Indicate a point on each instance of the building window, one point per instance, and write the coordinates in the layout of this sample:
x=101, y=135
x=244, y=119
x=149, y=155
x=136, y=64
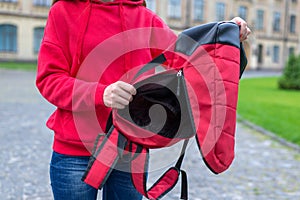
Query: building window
x=8, y=38
x=37, y=38
x=198, y=10
x=276, y=21
x=46, y=3
x=291, y=51
x=259, y=19
x=260, y=54
x=243, y=12
x=9, y=1
x=174, y=10
x=220, y=11
x=276, y=54
x=293, y=24
x=151, y=4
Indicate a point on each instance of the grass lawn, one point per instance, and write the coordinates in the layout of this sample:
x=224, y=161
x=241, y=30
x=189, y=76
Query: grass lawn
x=18, y=65
x=262, y=103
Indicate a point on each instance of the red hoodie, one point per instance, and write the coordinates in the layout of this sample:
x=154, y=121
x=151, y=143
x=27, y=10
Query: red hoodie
x=74, y=30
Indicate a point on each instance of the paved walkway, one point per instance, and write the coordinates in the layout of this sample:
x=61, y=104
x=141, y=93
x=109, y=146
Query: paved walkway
x=262, y=169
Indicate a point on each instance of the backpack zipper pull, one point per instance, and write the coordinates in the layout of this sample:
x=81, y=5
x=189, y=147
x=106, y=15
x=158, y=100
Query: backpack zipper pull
x=179, y=74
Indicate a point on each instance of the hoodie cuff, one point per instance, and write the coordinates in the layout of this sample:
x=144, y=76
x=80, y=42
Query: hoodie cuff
x=99, y=95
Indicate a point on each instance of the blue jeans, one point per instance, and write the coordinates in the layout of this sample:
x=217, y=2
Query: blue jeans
x=66, y=173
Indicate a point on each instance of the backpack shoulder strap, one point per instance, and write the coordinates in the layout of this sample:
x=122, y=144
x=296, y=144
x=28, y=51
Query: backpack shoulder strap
x=139, y=168
x=106, y=153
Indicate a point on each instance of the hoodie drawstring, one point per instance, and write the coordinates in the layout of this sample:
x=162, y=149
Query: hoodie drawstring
x=82, y=30
x=126, y=45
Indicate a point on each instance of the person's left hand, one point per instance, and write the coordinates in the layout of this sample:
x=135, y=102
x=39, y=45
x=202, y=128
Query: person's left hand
x=244, y=29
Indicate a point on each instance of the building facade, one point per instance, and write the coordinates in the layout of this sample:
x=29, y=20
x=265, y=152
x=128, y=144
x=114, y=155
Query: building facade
x=275, y=25
x=22, y=25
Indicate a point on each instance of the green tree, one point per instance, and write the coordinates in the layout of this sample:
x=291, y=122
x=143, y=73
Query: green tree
x=291, y=74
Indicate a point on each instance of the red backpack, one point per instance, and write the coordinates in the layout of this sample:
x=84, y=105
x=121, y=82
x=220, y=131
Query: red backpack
x=197, y=97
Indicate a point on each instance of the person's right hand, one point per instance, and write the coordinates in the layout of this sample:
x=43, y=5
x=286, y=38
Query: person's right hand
x=118, y=95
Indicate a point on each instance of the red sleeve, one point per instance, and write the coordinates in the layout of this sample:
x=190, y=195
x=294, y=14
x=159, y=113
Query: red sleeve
x=54, y=79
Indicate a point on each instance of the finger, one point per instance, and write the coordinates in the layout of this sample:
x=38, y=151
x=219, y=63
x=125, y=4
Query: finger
x=126, y=91
x=123, y=90
x=127, y=87
x=238, y=21
x=116, y=101
x=117, y=106
x=247, y=33
x=121, y=101
x=243, y=30
x=119, y=93
x=243, y=27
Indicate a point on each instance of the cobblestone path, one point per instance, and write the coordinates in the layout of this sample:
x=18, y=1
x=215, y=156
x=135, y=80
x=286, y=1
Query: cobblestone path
x=262, y=169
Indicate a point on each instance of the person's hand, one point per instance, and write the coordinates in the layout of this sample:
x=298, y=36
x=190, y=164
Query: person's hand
x=118, y=95
x=244, y=29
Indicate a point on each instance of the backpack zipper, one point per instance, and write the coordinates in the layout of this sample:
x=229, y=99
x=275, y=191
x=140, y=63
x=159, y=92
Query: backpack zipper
x=179, y=74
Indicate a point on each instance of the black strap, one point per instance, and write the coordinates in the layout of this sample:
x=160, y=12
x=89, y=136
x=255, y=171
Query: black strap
x=97, y=141
x=109, y=123
x=139, y=149
x=180, y=159
x=107, y=135
x=243, y=60
x=184, y=183
x=96, y=151
x=122, y=142
x=184, y=186
x=154, y=63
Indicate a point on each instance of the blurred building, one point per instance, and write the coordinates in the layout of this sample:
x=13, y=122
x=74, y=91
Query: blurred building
x=22, y=25
x=275, y=25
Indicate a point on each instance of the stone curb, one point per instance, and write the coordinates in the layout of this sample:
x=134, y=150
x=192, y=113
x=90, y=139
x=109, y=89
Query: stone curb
x=270, y=134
